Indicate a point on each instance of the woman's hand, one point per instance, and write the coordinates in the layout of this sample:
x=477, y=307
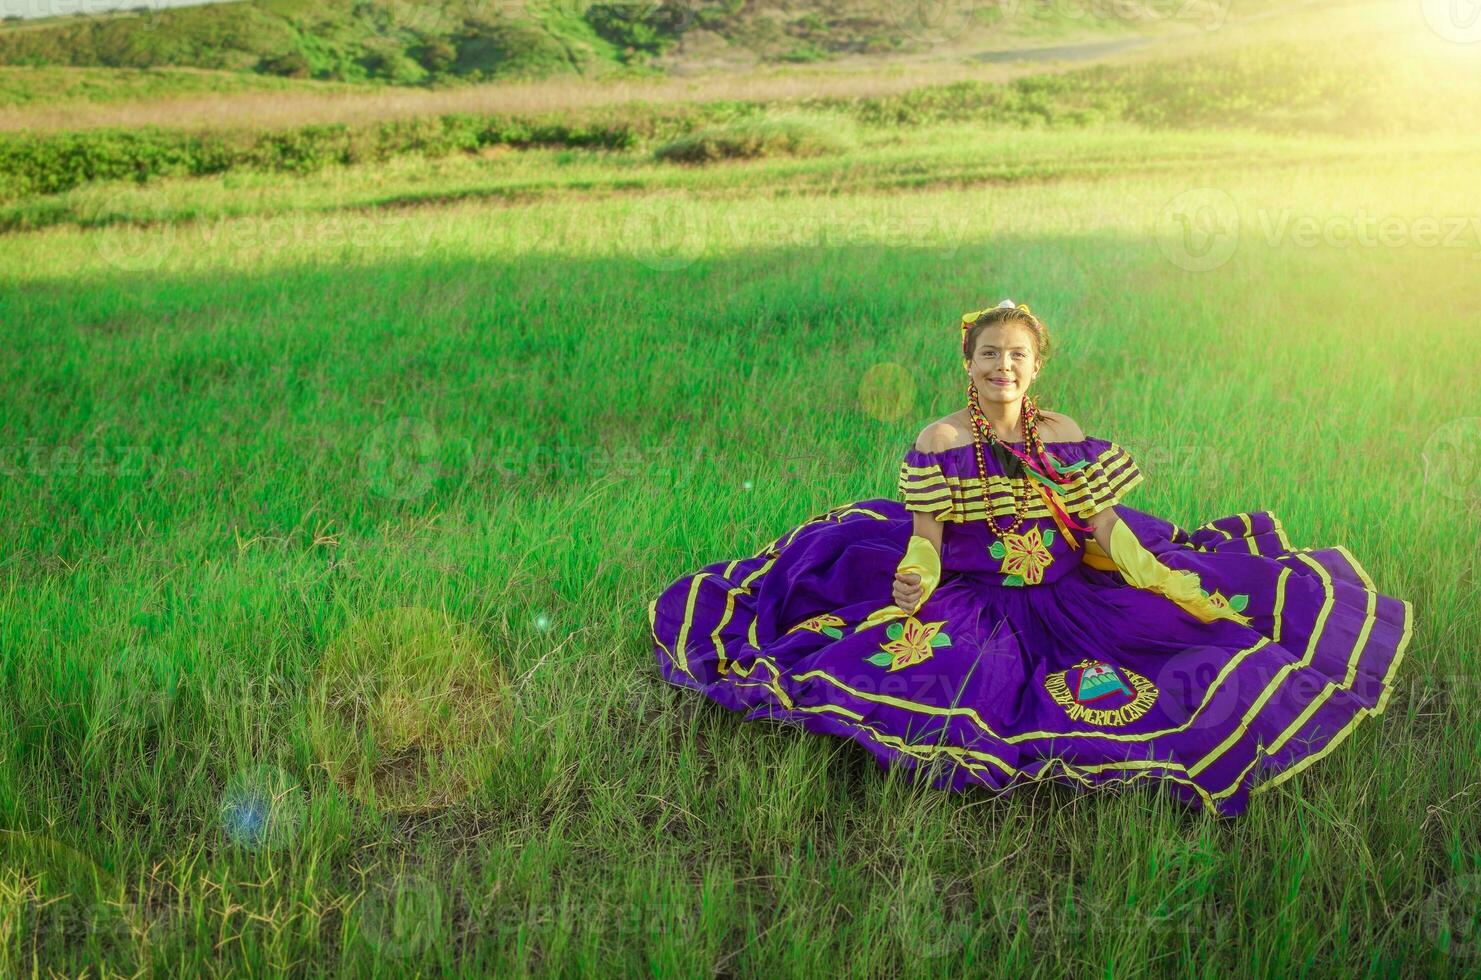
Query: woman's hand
x=907, y=590
x=915, y=580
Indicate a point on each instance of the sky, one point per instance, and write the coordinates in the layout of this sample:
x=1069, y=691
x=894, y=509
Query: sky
x=56, y=8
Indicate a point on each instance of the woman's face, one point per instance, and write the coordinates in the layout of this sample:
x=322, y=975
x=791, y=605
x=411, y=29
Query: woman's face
x=1004, y=362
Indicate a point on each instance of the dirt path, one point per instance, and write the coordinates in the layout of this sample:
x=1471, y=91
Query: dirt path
x=1090, y=51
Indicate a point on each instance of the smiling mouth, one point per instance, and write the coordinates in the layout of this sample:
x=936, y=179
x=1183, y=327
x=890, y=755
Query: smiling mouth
x=996, y=381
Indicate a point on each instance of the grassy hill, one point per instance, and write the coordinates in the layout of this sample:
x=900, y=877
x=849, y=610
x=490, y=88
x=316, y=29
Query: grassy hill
x=402, y=42
x=1268, y=79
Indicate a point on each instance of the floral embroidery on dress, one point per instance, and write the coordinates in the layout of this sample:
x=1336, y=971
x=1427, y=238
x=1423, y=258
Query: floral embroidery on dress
x=827, y=624
x=910, y=643
x=1025, y=556
x=1238, y=602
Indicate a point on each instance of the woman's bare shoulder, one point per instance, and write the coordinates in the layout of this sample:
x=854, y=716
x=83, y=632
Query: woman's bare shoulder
x=1058, y=427
x=947, y=432
x=955, y=430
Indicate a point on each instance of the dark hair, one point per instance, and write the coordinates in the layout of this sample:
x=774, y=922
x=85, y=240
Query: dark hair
x=1005, y=314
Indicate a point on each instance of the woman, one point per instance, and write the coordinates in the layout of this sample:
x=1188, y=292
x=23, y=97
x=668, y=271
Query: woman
x=1035, y=628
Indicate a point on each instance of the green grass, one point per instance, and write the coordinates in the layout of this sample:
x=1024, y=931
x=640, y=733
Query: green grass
x=933, y=157
x=232, y=449
x=337, y=499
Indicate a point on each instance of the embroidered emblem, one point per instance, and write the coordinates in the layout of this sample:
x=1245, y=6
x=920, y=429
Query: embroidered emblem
x=1238, y=602
x=1024, y=556
x=1100, y=693
x=910, y=643
x=827, y=624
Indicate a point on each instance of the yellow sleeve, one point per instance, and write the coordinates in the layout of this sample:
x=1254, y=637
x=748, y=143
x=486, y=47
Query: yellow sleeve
x=922, y=558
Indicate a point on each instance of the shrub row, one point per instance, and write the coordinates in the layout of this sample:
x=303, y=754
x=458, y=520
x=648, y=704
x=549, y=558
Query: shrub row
x=791, y=134
x=1278, y=87
x=1273, y=88
x=51, y=163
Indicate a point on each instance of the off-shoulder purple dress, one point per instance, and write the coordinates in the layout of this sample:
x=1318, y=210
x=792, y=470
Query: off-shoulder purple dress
x=1034, y=662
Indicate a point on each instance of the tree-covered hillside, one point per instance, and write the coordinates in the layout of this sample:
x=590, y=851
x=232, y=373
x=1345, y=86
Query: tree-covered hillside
x=411, y=42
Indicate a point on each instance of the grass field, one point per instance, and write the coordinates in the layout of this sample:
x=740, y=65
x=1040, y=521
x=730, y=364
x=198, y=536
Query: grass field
x=331, y=507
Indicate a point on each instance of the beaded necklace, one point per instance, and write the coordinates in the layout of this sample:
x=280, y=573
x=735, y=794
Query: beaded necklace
x=980, y=427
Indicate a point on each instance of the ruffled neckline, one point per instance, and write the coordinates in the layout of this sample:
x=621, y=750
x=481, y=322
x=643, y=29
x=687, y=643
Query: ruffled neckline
x=968, y=446
x=949, y=484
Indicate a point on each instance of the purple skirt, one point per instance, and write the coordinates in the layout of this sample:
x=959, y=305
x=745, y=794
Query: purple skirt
x=1084, y=679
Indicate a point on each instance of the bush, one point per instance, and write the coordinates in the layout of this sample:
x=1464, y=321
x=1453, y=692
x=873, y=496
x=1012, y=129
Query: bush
x=437, y=56
x=391, y=64
x=290, y=65
x=32, y=164
x=507, y=49
x=805, y=53
x=795, y=134
x=638, y=27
